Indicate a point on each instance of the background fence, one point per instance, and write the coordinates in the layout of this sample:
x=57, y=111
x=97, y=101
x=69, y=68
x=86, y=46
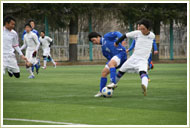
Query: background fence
x=60, y=49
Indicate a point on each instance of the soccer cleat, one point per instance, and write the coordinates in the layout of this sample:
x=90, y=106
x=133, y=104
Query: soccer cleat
x=10, y=73
x=112, y=85
x=44, y=67
x=144, y=89
x=55, y=65
x=38, y=66
x=31, y=77
x=99, y=94
x=152, y=65
x=37, y=69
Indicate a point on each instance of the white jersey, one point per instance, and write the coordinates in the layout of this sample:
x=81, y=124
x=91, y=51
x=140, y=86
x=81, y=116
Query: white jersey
x=45, y=42
x=143, y=44
x=10, y=41
x=31, y=42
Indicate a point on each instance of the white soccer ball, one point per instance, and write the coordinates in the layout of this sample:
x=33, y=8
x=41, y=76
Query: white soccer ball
x=107, y=92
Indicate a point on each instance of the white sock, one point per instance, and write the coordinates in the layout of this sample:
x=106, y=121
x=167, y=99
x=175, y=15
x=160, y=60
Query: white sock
x=53, y=61
x=145, y=81
x=30, y=71
x=117, y=79
x=45, y=62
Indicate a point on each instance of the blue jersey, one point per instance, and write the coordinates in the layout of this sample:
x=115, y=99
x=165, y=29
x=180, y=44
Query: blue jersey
x=133, y=45
x=108, y=48
x=34, y=31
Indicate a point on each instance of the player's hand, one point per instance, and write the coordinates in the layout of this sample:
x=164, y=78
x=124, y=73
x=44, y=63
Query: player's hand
x=155, y=52
x=116, y=45
x=127, y=51
x=34, y=54
x=24, y=58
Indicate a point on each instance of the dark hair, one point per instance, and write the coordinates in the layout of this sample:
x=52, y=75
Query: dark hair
x=146, y=23
x=43, y=32
x=92, y=35
x=27, y=25
x=31, y=20
x=8, y=19
x=138, y=22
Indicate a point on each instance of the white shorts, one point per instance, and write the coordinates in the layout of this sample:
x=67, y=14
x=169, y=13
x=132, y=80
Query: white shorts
x=134, y=65
x=30, y=58
x=10, y=63
x=46, y=52
x=118, y=61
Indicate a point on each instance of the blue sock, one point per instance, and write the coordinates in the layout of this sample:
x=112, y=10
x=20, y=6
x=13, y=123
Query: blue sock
x=36, y=65
x=113, y=75
x=32, y=68
x=103, y=82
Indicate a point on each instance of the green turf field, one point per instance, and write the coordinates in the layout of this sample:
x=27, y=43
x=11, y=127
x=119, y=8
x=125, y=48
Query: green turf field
x=66, y=94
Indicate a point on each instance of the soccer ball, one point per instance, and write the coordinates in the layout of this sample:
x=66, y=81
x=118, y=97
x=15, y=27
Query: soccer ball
x=107, y=92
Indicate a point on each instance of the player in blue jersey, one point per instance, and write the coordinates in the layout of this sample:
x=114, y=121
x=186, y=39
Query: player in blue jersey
x=32, y=23
x=116, y=56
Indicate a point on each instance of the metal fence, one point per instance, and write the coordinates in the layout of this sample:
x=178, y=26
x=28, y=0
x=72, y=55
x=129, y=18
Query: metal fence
x=60, y=49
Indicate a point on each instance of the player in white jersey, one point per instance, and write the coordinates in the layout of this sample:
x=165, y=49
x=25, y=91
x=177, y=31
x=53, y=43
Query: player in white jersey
x=32, y=23
x=46, y=42
x=10, y=44
x=31, y=43
x=138, y=61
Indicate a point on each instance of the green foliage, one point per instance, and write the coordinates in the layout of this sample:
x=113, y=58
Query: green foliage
x=154, y=11
x=59, y=14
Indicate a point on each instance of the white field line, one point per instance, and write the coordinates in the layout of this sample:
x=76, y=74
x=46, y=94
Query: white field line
x=41, y=121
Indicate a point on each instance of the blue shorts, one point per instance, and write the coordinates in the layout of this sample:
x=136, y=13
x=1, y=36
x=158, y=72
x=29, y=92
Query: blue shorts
x=122, y=56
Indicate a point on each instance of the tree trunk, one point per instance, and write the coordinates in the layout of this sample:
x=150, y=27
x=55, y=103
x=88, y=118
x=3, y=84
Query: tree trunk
x=156, y=29
x=73, y=28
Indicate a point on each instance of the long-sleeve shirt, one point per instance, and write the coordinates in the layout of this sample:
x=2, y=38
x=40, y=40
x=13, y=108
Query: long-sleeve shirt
x=10, y=42
x=133, y=45
x=31, y=42
x=33, y=30
x=108, y=48
x=143, y=44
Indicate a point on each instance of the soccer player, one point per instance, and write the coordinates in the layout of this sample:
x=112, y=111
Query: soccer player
x=116, y=56
x=31, y=43
x=46, y=42
x=32, y=23
x=10, y=44
x=138, y=61
x=150, y=63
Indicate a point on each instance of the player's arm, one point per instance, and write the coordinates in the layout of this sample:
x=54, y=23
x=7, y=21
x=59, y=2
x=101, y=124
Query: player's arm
x=127, y=35
x=51, y=41
x=132, y=46
x=155, y=47
x=24, y=45
x=118, y=35
x=37, y=34
x=23, y=34
x=36, y=40
x=120, y=39
x=17, y=48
